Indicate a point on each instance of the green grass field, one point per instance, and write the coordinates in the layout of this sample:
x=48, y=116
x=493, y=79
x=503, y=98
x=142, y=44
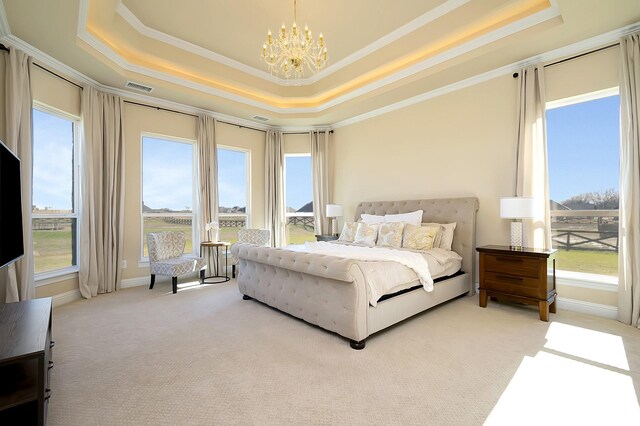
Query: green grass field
x=53, y=248
x=588, y=261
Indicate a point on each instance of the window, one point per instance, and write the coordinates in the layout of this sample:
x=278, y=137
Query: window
x=583, y=141
x=298, y=198
x=233, y=192
x=55, y=193
x=168, y=188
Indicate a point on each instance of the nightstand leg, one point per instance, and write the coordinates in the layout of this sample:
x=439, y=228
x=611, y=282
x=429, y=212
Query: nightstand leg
x=552, y=307
x=483, y=298
x=544, y=311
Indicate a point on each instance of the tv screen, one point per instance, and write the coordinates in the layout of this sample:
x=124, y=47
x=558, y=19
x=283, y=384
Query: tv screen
x=11, y=244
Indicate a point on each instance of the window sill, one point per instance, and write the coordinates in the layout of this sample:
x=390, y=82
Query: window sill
x=56, y=276
x=591, y=281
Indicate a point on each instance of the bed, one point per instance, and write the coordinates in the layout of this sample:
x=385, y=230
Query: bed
x=331, y=292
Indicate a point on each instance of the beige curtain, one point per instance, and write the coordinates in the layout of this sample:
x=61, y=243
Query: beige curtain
x=102, y=192
x=629, y=251
x=532, y=178
x=274, y=187
x=321, y=177
x=18, y=277
x=208, y=178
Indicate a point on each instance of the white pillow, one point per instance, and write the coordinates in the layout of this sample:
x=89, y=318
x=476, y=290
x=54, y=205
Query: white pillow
x=366, y=234
x=444, y=239
x=371, y=218
x=413, y=218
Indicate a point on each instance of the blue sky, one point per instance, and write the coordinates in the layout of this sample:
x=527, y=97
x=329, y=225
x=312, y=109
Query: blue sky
x=167, y=174
x=232, y=178
x=298, y=189
x=583, y=147
x=52, y=162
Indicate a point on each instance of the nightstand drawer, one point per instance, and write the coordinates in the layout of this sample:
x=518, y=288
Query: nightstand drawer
x=512, y=284
x=517, y=265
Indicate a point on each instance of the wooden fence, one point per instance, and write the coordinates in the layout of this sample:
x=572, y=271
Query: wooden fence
x=585, y=229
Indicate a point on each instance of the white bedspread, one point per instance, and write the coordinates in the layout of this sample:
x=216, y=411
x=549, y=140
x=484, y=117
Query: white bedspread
x=379, y=287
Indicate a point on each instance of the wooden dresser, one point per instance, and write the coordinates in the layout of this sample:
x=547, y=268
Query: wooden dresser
x=525, y=276
x=25, y=361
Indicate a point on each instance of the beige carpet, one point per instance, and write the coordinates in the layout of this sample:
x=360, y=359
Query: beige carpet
x=205, y=356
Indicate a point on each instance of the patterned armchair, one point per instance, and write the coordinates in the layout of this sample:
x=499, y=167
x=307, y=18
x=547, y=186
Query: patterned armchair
x=259, y=237
x=166, y=257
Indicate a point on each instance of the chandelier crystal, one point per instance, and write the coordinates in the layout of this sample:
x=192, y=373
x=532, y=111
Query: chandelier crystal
x=292, y=52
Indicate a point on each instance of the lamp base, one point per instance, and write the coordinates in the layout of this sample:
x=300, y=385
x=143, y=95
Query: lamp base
x=516, y=235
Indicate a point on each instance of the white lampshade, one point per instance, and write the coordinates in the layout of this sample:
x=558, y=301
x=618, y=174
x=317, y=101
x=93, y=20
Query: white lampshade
x=516, y=207
x=334, y=210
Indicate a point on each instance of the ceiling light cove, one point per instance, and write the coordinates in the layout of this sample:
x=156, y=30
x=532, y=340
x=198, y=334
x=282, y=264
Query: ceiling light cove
x=447, y=30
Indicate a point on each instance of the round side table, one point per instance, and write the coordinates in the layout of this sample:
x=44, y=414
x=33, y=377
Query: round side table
x=216, y=278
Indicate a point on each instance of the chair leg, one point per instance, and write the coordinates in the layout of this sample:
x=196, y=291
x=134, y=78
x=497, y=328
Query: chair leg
x=174, y=284
x=201, y=276
x=233, y=271
x=153, y=281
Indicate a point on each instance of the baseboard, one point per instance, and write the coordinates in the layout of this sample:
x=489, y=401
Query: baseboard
x=67, y=297
x=135, y=282
x=596, y=309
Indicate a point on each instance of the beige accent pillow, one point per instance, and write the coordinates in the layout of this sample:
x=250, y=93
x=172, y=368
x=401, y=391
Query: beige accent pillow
x=420, y=237
x=445, y=236
x=366, y=234
x=348, y=231
x=390, y=234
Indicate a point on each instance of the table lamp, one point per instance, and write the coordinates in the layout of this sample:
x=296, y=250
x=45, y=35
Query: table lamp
x=516, y=208
x=333, y=211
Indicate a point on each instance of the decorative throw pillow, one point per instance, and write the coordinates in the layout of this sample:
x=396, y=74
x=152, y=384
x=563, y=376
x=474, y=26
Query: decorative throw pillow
x=366, y=234
x=390, y=234
x=419, y=237
x=371, y=218
x=348, y=231
x=414, y=218
x=445, y=236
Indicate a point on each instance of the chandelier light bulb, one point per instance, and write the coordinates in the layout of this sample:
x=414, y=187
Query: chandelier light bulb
x=294, y=52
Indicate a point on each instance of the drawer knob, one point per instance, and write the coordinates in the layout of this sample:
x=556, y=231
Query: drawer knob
x=509, y=259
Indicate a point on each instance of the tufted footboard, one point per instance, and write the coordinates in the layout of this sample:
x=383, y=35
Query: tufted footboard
x=327, y=291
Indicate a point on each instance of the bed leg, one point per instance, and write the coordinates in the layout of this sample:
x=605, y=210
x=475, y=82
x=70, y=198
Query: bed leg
x=357, y=345
x=245, y=297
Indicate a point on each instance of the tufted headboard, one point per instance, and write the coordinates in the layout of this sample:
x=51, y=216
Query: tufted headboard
x=444, y=210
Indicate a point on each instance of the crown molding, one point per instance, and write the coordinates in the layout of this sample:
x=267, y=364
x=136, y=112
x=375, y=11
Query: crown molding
x=426, y=18
x=553, y=55
x=485, y=39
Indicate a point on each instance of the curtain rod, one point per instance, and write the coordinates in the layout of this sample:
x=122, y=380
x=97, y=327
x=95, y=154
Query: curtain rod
x=515, y=74
x=6, y=49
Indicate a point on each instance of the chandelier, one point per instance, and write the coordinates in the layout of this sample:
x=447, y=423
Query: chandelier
x=292, y=52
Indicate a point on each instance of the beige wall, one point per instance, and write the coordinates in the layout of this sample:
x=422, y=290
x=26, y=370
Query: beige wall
x=456, y=145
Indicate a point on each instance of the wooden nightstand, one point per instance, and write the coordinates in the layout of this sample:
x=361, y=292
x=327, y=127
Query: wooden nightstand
x=525, y=276
x=326, y=237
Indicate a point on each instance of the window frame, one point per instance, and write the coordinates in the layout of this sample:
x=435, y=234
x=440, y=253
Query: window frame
x=48, y=277
x=195, y=209
x=575, y=278
x=247, y=215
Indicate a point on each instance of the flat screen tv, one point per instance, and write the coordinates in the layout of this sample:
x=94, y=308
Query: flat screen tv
x=11, y=243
